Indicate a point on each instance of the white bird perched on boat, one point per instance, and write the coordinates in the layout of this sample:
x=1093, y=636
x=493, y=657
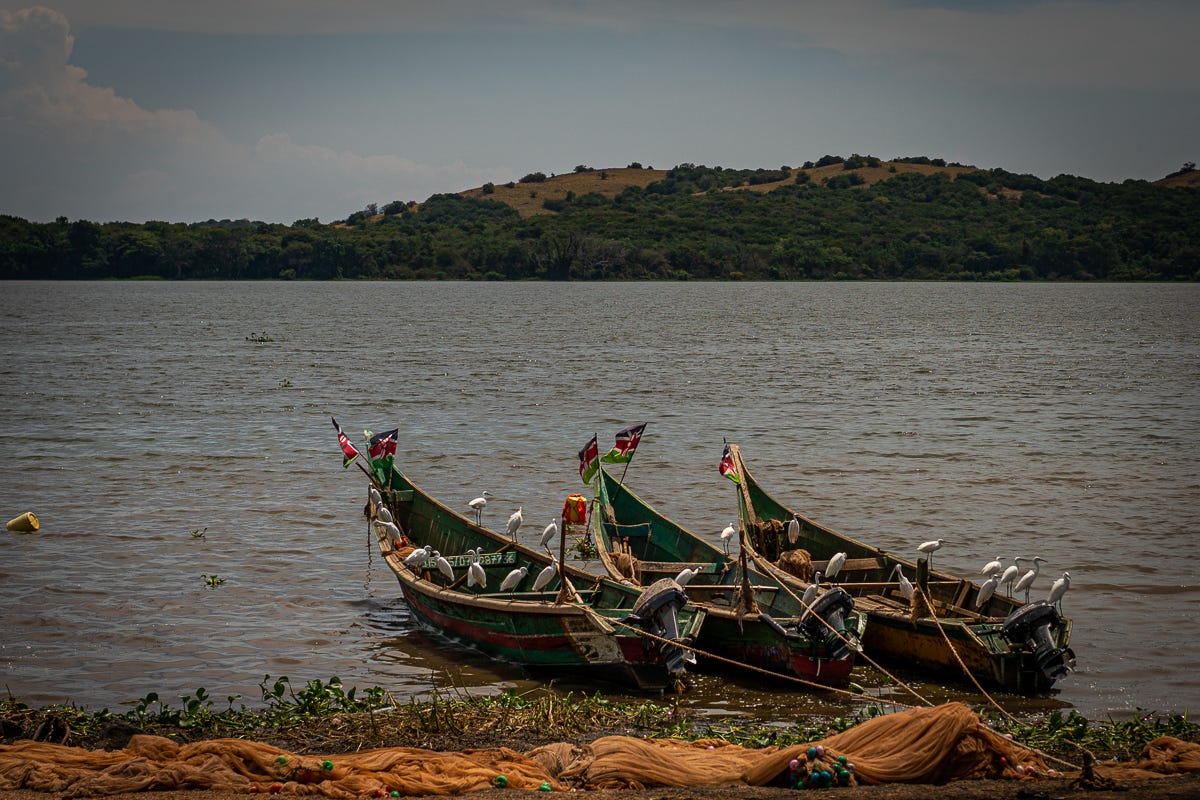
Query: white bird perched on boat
x=985, y=592
x=1009, y=575
x=686, y=574
x=545, y=575
x=835, y=565
x=513, y=578
x=929, y=547
x=382, y=514
x=478, y=504
x=991, y=568
x=388, y=528
x=794, y=529
x=1058, y=589
x=514, y=523
x=549, y=533
x=810, y=593
x=476, y=575
x=374, y=496
x=417, y=556
x=443, y=565
x=1029, y=577
x=726, y=535
x=906, y=587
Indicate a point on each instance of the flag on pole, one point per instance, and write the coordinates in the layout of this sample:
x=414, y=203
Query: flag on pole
x=348, y=451
x=727, y=468
x=589, y=460
x=383, y=444
x=627, y=442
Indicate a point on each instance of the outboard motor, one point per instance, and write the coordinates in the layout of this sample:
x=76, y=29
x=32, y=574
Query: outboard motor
x=1030, y=626
x=656, y=610
x=832, y=607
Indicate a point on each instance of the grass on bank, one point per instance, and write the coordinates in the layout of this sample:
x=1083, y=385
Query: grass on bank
x=325, y=717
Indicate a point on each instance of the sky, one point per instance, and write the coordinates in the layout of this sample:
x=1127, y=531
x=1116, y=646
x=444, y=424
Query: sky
x=280, y=110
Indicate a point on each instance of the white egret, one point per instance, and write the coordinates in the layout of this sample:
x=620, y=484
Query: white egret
x=991, y=568
x=514, y=523
x=388, y=528
x=549, y=533
x=374, y=495
x=1058, y=589
x=835, y=565
x=686, y=574
x=794, y=529
x=1028, y=578
x=906, y=587
x=476, y=575
x=382, y=514
x=810, y=593
x=545, y=575
x=417, y=556
x=985, y=592
x=513, y=578
x=1009, y=575
x=477, y=505
x=929, y=547
x=443, y=565
x=726, y=535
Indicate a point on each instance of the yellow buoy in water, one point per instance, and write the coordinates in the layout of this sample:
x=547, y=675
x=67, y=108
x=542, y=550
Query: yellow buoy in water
x=26, y=523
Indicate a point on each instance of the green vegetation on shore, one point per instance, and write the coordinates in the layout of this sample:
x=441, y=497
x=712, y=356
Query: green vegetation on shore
x=326, y=717
x=835, y=219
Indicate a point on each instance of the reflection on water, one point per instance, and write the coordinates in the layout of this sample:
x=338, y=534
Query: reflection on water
x=1011, y=420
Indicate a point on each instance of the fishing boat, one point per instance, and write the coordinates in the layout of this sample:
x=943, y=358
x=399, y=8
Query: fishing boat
x=1020, y=647
x=531, y=609
x=751, y=617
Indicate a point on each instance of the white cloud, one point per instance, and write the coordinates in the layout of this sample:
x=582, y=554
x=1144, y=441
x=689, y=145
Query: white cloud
x=73, y=149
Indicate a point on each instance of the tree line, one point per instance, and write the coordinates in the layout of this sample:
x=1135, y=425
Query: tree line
x=981, y=225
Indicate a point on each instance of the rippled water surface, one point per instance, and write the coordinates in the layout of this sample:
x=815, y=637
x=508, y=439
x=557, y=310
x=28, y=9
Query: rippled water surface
x=1056, y=420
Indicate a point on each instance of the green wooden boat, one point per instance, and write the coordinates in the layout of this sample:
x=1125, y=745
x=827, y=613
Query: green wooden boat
x=751, y=618
x=1023, y=648
x=574, y=622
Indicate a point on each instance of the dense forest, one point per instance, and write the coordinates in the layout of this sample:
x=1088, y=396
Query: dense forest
x=691, y=224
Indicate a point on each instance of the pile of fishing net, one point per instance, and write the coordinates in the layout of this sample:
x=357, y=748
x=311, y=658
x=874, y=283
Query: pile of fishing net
x=934, y=745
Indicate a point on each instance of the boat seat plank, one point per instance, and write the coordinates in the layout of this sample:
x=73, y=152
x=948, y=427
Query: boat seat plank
x=853, y=564
x=676, y=566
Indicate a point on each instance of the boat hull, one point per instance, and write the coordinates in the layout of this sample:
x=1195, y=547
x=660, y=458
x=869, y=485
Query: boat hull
x=575, y=622
x=954, y=641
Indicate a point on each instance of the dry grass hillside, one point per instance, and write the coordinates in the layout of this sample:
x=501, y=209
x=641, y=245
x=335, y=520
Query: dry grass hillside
x=1188, y=178
x=528, y=198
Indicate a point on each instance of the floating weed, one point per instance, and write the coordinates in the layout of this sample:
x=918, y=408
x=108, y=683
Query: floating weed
x=213, y=581
x=259, y=338
x=198, y=533
x=285, y=384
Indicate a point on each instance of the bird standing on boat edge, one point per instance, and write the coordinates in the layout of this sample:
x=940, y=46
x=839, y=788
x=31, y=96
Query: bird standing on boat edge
x=906, y=587
x=1058, y=589
x=514, y=523
x=929, y=547
x=549, y=533
x=513, y=578
x=1029, y=577
x=726, y=535
x=477, y=505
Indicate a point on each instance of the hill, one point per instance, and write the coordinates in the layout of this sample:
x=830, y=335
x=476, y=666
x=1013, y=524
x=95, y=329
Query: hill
x=544, y=194
x=854, y=218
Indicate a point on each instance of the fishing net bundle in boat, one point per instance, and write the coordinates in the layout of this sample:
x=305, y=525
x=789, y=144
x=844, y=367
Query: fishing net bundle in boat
x=933, y=745
x=796, y=562
x=627, y=565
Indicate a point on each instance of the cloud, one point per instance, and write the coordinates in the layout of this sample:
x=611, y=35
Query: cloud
x=1141, y=44
x=74, y=149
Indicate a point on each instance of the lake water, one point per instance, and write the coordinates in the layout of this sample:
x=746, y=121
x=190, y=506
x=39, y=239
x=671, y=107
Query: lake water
x=1058, y=420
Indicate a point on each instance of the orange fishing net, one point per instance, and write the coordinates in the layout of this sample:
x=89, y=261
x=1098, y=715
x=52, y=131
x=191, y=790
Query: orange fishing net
x=932, y=745
x=796, y=562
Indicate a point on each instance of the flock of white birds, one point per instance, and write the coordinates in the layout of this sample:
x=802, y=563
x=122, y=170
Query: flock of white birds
x=1012, y=579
